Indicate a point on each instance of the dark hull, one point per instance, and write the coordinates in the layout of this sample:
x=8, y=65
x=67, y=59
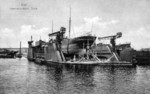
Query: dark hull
x=7, y=54
x=76, y=45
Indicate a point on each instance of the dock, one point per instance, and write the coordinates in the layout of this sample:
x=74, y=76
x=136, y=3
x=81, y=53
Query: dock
x=77, y=51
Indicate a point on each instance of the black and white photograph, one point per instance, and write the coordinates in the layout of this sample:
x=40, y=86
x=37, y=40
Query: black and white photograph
x=74, y=46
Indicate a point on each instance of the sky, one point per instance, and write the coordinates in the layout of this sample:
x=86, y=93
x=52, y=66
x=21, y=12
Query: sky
x=100, y=17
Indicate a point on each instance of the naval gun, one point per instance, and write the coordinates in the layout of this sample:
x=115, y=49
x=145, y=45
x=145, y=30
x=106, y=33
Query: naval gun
x=112, y=40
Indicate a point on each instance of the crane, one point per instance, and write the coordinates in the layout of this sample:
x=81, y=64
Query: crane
x=112, y=39
x=59, y=36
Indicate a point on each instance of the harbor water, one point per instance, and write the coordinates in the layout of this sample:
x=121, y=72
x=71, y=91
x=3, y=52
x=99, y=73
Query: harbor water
x=19, y=76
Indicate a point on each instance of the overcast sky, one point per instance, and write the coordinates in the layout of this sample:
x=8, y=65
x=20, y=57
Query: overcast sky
x=102, y=17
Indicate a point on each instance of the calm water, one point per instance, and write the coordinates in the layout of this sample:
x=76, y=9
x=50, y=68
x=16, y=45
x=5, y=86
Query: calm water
x=19, y=76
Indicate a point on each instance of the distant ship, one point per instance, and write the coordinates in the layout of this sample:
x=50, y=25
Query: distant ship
x=5, y=53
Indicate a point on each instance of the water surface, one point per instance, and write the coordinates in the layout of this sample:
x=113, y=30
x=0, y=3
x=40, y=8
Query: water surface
x=19, y=76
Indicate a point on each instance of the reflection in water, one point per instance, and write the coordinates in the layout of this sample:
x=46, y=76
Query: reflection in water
x=115, y=79
x=143, y=79
x=70, y=79
x=24, y=77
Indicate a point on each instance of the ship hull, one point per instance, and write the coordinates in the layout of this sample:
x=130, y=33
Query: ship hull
x=77, y=45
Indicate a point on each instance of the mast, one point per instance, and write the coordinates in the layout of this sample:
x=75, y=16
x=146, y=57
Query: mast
x=92, y=27
x=20, y=48
x=69, y=31
x=52, y=26
x=70, y=23
x=31, y=38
